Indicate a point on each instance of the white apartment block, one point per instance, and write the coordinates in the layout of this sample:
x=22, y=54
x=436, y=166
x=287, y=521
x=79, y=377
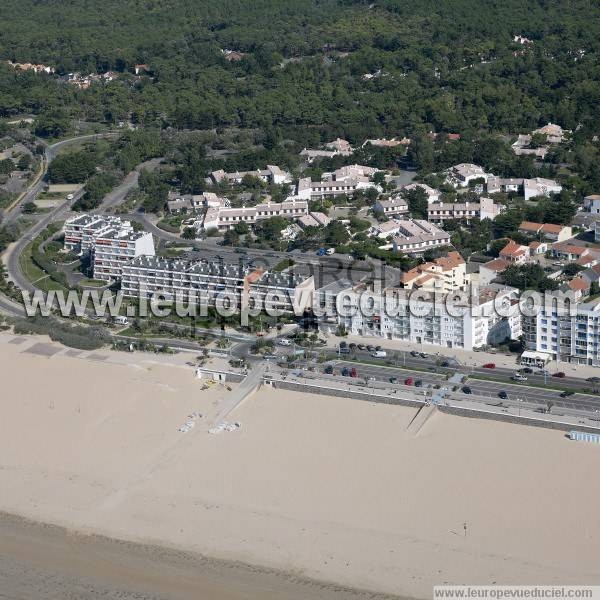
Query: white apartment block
x=114, y=249
x=81, y=232
x=177, y=203
x=391, y=207
x=568, y=338
x=226, y=218
x=345, y=180
x=461, y=175
x=272, y=174
x=530, y=188
x=415, y=236
x=463, y=211
x=201, y=282
x=427, y=320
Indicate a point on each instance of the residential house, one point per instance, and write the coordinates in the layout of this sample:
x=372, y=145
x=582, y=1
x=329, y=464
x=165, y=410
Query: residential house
x=547, y=231
x=415, y=236
x=515, y=253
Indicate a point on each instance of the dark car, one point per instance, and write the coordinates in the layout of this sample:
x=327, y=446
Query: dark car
x=408, y=381
x=467, y=390
x=445, y=363
x=414, y=353
x=345, y=372
x=343, y=344
x=423, y=354
x=377, y=347
x=361, y=346
x=502, y=394
x=527, y=370
x=559, y=374
x=593, y=379
x=353, y=346
x=393, y=380
x=566, y=394
x=353, y=372
x=370, y=348
x=329, y=369
x=489, y=366
x=418, y=383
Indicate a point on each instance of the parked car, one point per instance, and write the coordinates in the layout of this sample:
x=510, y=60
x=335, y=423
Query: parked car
x=502, y=394
x=519, y=377
x=466, y=390
x=489, y=366
x=378, y=348
x=345, y=371
x=409, y=381
x=444, y=363
x=418, y=383
x=527, y=370
x=361, y=346
x=423, y=354
x=393, y=380
x=343, y=344
x=353, y=346
x=285, y=342
x=593, y=379
x=353, y=372
x=344, y=350
x=566, y=394
x=379, y=354
x=414, y=353
x=329, y=369
x=370, y=348
x=559, y=374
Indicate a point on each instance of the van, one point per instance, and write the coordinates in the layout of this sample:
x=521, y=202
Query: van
x=379, y=354
x=121, y=320
x=330, y=251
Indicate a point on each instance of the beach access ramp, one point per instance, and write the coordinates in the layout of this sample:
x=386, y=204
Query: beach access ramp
x=421, y=417
x=246, y=388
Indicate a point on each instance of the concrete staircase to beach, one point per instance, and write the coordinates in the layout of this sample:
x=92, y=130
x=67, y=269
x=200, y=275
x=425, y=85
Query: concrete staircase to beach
x=244, y=390
x=421, y=417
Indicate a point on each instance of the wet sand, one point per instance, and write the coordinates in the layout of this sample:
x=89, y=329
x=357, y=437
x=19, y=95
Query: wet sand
x=52, y=563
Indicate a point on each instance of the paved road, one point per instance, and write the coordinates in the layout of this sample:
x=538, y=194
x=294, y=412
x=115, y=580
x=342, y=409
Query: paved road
x=534, y=396
x=49, y=154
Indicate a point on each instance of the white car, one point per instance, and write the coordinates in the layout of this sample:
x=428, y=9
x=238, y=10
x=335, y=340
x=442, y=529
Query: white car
x=379, y=354
x=285, y=342
x=519, y=377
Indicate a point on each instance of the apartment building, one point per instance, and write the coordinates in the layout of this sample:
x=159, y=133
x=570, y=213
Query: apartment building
x=415, y=236
x=335, y=148
x=82, y=232
x=491, y=271
x=445, y=274
x=226, y=218
x=115, y=248
x=391, y=207
x=463, y=174
x=566, y=337
x=427, y=320
x=529, y=188
x=203, y=282
x=386, y=229
x=272, y=174
x=463, y=211
x=345, y=180
x=177, y=203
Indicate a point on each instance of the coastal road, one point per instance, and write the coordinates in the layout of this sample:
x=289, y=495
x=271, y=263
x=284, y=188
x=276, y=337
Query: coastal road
x=538, y=396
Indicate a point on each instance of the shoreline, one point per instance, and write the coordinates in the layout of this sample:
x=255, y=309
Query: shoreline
x=125, y=565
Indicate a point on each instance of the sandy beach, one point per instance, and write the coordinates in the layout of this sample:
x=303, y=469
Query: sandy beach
x=330, y=489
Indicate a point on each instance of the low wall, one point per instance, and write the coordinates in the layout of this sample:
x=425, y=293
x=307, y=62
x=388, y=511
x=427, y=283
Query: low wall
x=327, y=391
x=519, y=420
x=233, y=377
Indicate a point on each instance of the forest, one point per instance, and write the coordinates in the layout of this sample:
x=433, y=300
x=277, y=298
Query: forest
x=308, y=70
